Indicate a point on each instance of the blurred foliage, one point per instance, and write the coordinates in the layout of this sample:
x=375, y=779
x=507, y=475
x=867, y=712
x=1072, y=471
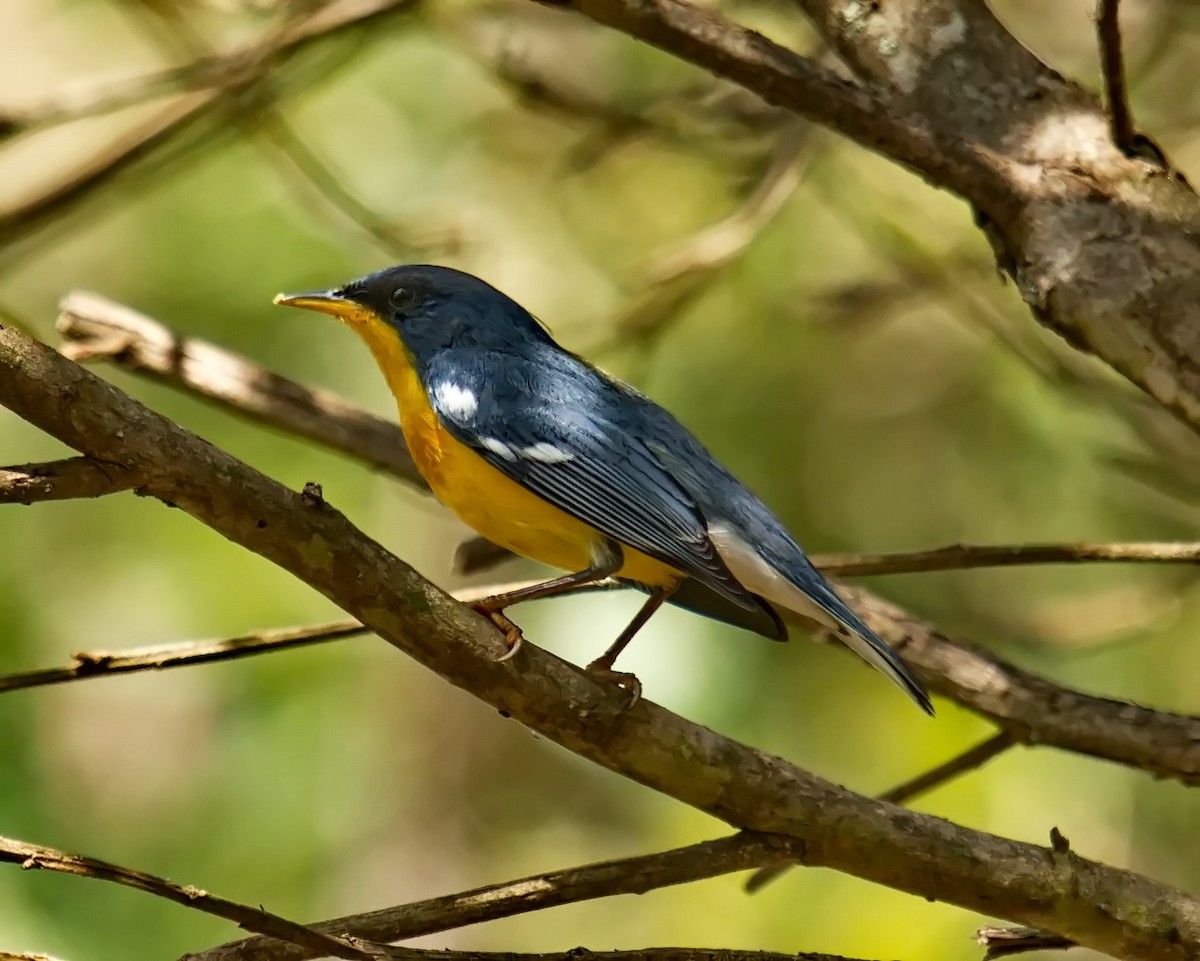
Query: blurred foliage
x=858, y=364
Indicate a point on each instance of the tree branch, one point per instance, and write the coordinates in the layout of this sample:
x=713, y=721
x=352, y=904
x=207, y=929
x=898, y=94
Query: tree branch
x=1112, y=63
x=1103, y=248
x=148, y=142
x=160, y=657
x=968, y=760
x=1008, y=942
x=59, y=480
x=34, y=857
x=637, y=875
x=1105, y=908
x=961, y=557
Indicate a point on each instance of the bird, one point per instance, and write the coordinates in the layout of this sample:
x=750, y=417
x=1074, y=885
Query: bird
x=548, y=456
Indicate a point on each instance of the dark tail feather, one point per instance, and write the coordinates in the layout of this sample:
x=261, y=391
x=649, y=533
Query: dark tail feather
x=693, y=596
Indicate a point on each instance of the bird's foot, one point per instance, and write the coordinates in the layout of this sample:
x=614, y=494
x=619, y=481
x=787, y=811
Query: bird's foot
x=512, y=634
x=601, y=668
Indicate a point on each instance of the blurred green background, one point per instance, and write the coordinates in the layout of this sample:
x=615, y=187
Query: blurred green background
x=855, y=360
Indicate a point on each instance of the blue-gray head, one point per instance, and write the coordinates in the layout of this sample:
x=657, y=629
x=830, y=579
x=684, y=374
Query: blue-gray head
x=429, y=308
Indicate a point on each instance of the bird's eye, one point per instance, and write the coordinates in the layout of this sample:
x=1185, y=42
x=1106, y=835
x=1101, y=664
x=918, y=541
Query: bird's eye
x=402, y=298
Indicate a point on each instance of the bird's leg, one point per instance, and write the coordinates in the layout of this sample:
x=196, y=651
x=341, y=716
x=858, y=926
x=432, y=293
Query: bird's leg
x=607, y=559
x=602, y=666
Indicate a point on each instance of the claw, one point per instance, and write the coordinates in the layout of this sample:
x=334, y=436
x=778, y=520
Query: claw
x=622, y=679
x=512, y=634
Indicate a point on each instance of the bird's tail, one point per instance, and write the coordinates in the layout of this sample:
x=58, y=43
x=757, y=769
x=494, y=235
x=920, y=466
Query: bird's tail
x=867, y=645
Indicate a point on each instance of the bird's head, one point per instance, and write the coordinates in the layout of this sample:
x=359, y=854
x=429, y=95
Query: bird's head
x=427, y=308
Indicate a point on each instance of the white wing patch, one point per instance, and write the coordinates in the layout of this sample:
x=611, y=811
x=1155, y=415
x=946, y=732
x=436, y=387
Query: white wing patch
x=458, y=403
x=546, y=453
x=499, y=448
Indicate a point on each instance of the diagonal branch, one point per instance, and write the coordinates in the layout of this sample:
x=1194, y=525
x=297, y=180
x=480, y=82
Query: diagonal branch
x=150, y=144
x=35, y=857
x=95, y=327
x=970, y=759
x=637, y=875
x=1104, y=252
x=1114, y=911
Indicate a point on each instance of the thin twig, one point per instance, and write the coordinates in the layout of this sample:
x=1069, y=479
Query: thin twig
x=1112, y=60
x=36, y=857
x=968, y=760
x=1006, y=942
x=202, y=73
x=959, y=557
x=161, y=657
x=637, y=875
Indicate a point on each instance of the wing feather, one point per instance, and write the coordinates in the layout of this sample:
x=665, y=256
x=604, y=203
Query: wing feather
x=557, y=429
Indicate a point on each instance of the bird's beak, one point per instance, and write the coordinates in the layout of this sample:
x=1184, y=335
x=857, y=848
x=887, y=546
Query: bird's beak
x=325, y=301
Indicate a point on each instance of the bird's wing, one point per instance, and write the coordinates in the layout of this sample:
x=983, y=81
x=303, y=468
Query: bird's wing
x=560, y=430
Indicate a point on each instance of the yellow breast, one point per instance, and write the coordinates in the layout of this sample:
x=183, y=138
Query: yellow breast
x=485, y=499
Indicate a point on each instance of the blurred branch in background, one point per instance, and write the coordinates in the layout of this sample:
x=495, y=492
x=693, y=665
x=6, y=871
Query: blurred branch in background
x=232, y=85
x=1056, y=890
x=675, y=278
x=269, y=130
x=96, y=328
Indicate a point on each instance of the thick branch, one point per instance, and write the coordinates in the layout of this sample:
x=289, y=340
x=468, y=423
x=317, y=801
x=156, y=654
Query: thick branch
x=1113, y=911
x=968, y=760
